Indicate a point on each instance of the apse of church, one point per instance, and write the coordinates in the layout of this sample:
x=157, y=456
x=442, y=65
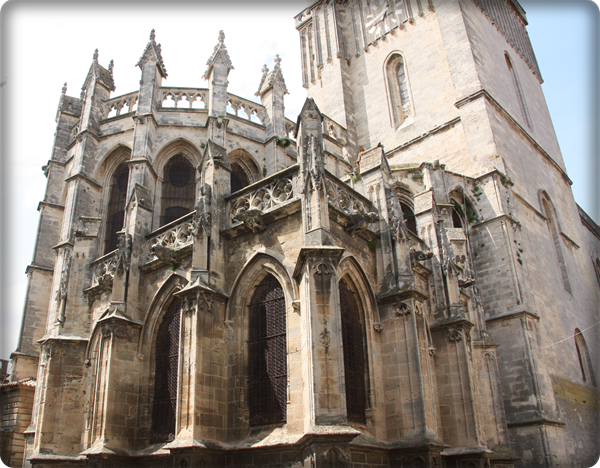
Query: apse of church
x=386, y=281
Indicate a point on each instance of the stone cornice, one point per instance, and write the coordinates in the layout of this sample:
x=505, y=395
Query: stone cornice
x=85, y=178
x=50, y=205
x=513, y=314
x=39, y=268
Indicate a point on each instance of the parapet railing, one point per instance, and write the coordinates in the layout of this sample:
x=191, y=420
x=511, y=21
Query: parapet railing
x=264, y=196
x=173, y=236
x=344, y=198
x=114, y=106
x=184, y=98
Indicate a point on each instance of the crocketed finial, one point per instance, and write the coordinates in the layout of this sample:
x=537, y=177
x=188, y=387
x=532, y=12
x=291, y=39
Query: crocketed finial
x=277, y=60
x=95, y=57
x=111, y=65
x=152, y=35
x=64, y=88
x=221, y=36
x=265, y=69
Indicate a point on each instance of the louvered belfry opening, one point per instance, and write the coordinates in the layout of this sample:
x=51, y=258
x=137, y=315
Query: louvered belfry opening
x=165, y=376
x=115, y=213
x=354, y=355
x=267, y=354
x=178, y=189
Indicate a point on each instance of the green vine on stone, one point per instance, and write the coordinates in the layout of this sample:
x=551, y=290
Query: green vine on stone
x=284, y=142
x=372, y=244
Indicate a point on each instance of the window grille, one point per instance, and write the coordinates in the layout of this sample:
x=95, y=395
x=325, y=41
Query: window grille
x=354, y=355
x=239, y=178
x=115, y=213
x=166, y=375
x=178, y=190
x=267, y=354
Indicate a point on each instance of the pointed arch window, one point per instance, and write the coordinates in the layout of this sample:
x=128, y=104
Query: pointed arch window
x=166, y=375
x=239, y=177
x=267, y=354
x=555, y=239
x=518, y=90
x=409, y=217
x=398, y=90
x=585, y=363
x=354, y=354
x=178, y=190
x=115, y=216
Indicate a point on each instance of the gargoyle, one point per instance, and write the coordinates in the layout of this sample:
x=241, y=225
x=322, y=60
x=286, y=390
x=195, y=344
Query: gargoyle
x=419, y=256
x=165, y=253
x=360, y=221
x=465, y=283
x=250, y=218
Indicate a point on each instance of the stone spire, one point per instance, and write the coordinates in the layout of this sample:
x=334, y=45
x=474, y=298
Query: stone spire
x=153, y=52
x=219, y=55
x=269, y=80
x=98, y=73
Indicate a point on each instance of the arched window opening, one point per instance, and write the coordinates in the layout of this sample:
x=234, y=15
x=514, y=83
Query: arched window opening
x=409, y=217
x=518, y=90
x=178, y=189
x=115, y=215
x=164, y=408
x=555, y=239
x=267, y=354
x=354, y=354
x=239, y=178
x=585, y=363
x=398, y=88
x=456, y=221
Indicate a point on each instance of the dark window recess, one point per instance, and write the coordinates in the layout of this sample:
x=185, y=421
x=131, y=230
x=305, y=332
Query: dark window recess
x=165, y=376
x=267, y=354
x=173, y=213
x=456, y=221
x=239, y=178
x=115, y=213
x=178, y=190
x=409, y=218
x=354, y=355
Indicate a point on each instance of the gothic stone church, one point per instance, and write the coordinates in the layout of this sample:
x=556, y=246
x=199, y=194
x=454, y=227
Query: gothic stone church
x=399, y=278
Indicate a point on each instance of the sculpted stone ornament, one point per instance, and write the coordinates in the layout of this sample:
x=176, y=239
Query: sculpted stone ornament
x=465, y=283
x=165, y=254
x=402, y=310
x=455, y=336
x=123, y=256
x=360, y=221
x=61, y=294
x=250, y=219
x=202, y=221
x=419, y=256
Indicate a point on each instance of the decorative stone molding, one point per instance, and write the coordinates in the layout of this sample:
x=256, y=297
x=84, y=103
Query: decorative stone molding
x=202, y=220
x=103, y=272
x=205, y=302
x=165, y=244
x=402, y=310
x=344, y=200
x=123, y=255
x=378, y=327
x=454, y=336
x=322, y=268
x=296, y=306
x=265, y=198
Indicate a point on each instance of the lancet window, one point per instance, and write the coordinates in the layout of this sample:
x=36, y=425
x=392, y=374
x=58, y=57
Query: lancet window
x=354, y=354
x=409, y=217
x=518, y=90
x=115, y=216
x=239, y=178
x=166, y=351
x=178, y=189
x=555, y=239
x=398, y=90
x=267, y=354
x=585, y=363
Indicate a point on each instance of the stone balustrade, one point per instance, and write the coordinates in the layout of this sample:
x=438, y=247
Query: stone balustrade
x=117, y=104
x=184, y=98
x=173, y=236
x=103, y=272
x=250, y=108
x=266, y=195
x=345, y=199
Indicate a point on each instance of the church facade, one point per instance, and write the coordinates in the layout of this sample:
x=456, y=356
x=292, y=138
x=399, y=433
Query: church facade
x=399, y=278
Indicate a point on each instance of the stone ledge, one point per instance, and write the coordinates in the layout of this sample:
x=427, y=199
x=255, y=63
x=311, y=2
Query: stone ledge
x=513, y=314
